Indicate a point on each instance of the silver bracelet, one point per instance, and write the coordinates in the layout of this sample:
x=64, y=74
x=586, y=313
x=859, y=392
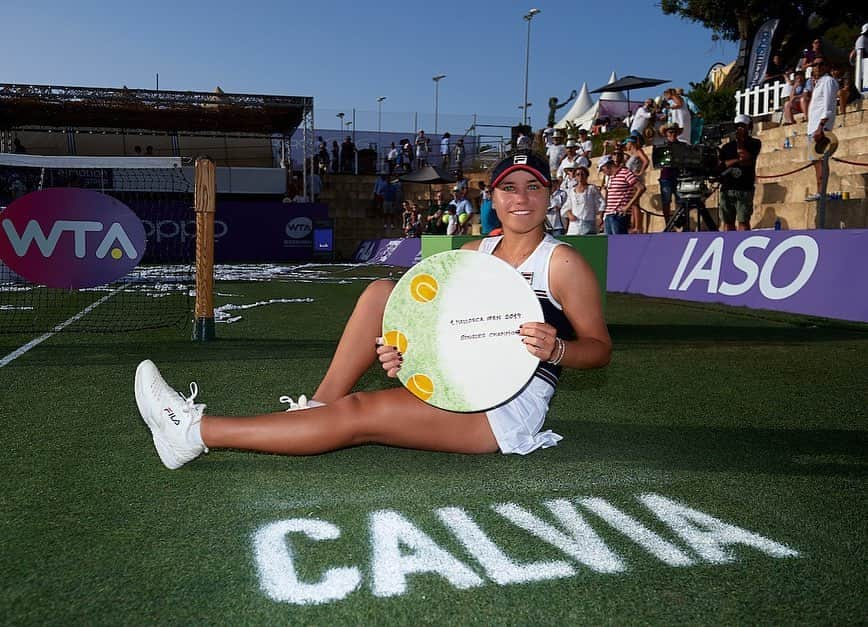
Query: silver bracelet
x=560, y=350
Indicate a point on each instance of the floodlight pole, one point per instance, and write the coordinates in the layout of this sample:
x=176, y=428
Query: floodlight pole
x=379, y=127
x=527, y=18
x=437, y=80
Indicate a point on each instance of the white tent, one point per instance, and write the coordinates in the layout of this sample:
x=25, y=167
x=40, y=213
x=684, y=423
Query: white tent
x=580, y=106
x=586, y=120
x=612, y=95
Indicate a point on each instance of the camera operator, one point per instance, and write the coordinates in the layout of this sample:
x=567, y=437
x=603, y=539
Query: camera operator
x=738, y=177
x=669, y=174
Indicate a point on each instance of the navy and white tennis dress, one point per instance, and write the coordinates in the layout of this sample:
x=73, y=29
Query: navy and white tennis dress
x=517, y=423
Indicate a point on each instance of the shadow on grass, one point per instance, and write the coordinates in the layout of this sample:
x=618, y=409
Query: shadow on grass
x=131, y=352
x=809, y=452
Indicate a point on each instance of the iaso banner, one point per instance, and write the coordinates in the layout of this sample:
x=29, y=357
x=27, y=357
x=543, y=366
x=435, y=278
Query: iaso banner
x=70, y=238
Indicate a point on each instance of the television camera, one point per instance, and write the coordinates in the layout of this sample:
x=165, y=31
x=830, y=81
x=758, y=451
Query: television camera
x=698, y=169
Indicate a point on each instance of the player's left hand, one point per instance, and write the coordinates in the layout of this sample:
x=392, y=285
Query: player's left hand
x=539, y=338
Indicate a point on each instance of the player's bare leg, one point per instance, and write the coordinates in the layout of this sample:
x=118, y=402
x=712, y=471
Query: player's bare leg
x=356, y=350
x=392, y=417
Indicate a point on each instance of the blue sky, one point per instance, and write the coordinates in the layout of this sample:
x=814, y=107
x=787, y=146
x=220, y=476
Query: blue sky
x=347, y=53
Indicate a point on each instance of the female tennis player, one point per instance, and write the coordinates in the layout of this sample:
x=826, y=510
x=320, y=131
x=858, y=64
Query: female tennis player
x=572, y=334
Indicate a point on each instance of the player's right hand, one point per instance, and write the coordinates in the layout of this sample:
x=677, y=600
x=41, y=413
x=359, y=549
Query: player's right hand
x=390, y=358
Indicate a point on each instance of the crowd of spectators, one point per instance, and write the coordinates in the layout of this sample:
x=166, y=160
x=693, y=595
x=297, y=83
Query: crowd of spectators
x=800, y=79
x=404, y=157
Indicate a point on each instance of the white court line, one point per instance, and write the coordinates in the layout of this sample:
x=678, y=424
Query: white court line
x=60, y=327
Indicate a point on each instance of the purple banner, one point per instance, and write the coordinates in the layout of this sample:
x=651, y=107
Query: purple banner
x=389, y=252
x=818, y=273
x=269, y=231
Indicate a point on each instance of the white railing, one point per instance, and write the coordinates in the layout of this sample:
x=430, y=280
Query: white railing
x=766, y=99
x=760, y=100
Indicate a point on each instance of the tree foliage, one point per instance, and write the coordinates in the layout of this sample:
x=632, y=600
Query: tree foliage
x=800, y=21
x=717, y=106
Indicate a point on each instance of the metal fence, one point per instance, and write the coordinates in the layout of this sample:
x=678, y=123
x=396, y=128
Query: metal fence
x=485, y=138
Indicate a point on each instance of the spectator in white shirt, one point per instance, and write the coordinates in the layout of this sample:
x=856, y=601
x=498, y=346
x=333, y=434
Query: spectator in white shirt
x=821, y=114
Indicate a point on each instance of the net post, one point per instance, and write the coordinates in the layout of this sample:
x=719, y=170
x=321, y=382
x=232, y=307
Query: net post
x=205, y=201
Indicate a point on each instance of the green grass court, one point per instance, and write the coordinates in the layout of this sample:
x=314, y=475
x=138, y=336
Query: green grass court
x=753, y=418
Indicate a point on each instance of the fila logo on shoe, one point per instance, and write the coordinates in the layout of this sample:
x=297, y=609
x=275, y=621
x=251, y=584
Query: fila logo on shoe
x=171, y=415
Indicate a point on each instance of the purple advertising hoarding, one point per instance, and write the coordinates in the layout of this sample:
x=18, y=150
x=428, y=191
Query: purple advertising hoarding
x=819, y=273
x=389, y=252
x=70, y=238
x=267, y=231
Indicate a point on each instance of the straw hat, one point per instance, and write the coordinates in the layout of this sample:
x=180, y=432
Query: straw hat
x=826, y=146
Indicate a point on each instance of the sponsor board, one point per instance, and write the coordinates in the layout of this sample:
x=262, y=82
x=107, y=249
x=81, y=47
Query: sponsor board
x=574, y=528
x=256, y=231
x=391, y=252
x=805, y=272
x=70, y=238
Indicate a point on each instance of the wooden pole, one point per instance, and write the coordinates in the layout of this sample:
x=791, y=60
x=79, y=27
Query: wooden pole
x=205, y=201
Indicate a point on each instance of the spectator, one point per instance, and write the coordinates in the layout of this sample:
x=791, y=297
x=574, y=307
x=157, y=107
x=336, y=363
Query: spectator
x=557, y=151
x=738, y=160
x=638, y=163
x=585, y=148
x=444, y=151
x=392, y=159
x=618, y=155
x=407, y=218
x=488, y=216
x=522, y=142
x=678, y=113
x=668, y=174
x=459, y=154
x=380, y=186
x=569, y=159
x=18, y=147
x=622, y=190
x=642, y=118
x=336, y=151
x=452, y=225
x=461, y=181
x=421, y=149
x=348, y=155
x=846, y=92
x=462, y=206
x=407, y=155
x=149, y=151
x=809, y=55
x=437, y=203
x=859, y=58
x=583, y=205
x=695, y=116
x=793, y=105
x=322, y=152
x=821, y=115
x=418, y=223
x=554, y=221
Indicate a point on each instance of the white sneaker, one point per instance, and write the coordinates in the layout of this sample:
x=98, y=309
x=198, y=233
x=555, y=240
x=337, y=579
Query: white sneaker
x=171, y=417
x=812, y=197
x=303, y=403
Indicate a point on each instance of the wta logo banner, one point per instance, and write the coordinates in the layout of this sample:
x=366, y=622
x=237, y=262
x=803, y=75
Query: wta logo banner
x=70, y=238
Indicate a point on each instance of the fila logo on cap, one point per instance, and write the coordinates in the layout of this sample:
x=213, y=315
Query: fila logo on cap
x=519, y=159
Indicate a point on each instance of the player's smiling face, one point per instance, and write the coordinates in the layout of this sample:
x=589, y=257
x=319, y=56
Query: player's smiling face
x=521, y=200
